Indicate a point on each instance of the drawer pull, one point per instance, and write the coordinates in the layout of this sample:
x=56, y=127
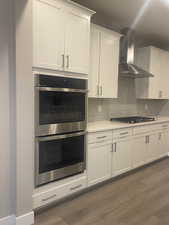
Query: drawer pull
x=76, y=187
x=101, y=137
x=47, y=199
x=124, y=133
x=99, y=142
x=122, y=137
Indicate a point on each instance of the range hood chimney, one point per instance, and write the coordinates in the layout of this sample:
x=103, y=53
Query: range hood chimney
x=127, y=67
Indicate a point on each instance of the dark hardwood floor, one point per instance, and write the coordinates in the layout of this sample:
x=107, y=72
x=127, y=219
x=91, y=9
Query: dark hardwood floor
x=141, y=198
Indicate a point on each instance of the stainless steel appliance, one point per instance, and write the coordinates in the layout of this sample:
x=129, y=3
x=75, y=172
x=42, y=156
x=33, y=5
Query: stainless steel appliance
x=133, y=119
x=60, y=105
x=59, y=156
x=127, y=66
x=60, y=111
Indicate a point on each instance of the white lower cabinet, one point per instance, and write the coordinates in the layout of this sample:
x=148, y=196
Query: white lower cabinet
x=149, y=147
x=153, y=142
x=163, y=146
x=109, y=154
x=99, y=162
x=166, y=138
x=121, y=157
x=139, y=151
x=47, y=196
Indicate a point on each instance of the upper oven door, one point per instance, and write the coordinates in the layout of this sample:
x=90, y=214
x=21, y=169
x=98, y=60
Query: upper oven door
x=60, y=110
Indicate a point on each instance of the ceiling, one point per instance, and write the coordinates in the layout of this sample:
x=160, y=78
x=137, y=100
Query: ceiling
x=150, y=18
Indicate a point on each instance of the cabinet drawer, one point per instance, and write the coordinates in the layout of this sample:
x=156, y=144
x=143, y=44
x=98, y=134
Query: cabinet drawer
x=54, y=194
x=99, y=137
x=164, y=126
x=122, y=133
x=45, y=198
x=75, y=186
x=146, y=129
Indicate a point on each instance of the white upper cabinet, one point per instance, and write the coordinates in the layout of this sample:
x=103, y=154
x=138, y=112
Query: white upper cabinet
x=155, y=61
x=94, y=62
x=109, y=64
x=77, y=43
x=48, y=46
x=61, y=36
x=164, y=67
x=103, y=78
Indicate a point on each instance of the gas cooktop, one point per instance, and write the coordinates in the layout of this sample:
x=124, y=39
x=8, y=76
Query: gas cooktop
x=133, y=119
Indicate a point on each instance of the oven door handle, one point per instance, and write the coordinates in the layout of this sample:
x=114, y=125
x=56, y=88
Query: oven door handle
x=58, y=137
x=61, y=89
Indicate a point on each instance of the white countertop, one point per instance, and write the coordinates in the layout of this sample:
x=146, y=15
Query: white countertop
x=111, y=125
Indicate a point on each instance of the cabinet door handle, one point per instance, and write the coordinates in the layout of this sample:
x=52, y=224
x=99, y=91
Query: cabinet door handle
x=63, y=60
x=98, y=90
x=47, y=199
x=68, y=61
x=76, y=187
x=112, y=148
x=160, y=94
x=101, y=90
x=159, y=138
x=146, y=139
x=115, y=145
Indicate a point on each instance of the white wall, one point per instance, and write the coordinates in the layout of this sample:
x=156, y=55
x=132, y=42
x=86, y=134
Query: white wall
x=126, y=104
x=6, y=196
x=24, y=108
x=17, y=108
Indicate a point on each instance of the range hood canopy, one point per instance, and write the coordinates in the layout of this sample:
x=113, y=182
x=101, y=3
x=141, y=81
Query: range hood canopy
x=127, y=67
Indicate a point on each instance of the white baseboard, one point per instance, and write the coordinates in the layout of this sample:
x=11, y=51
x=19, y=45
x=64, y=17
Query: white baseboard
x=9, y=220
x=26, y=219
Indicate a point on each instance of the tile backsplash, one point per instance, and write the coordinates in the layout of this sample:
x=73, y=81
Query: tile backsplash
x=125, y=105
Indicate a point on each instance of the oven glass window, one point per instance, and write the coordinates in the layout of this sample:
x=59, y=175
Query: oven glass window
x=61, y=107
x=57, y=154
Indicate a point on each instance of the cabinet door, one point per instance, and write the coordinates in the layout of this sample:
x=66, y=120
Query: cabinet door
x=94, y=62
x=155, y=83
x=99, y=163
x=121, y=161
x=109, y=64
x=48, y=35
x=163, y=147
x=152, y=147
x=166, y=142
x=139, y=151
x=164, y=76
x=77, y=43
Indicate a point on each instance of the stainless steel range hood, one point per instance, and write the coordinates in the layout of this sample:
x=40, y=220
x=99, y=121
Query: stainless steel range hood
x=127, y=67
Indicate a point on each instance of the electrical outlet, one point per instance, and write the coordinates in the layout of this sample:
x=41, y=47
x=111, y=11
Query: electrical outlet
x=99, y=108
x=146, y=107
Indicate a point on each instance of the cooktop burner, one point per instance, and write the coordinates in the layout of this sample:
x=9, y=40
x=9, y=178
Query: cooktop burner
x=133, y=119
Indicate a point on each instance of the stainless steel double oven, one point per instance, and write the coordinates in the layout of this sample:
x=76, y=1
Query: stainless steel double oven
x=60, y=115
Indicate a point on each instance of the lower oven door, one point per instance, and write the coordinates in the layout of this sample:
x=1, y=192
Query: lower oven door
x=59, y=156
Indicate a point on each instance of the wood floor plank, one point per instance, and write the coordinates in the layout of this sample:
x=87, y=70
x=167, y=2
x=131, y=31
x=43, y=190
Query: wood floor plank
x=136, y=199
